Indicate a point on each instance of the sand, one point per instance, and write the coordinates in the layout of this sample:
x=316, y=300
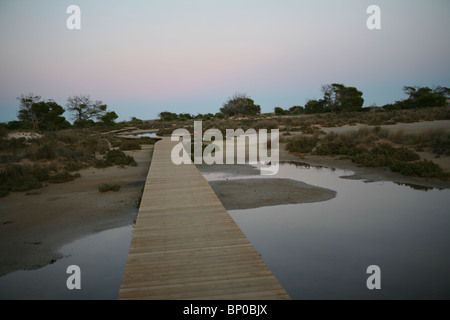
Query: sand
x=33, y=227
x=370, y=174
x=407, y=128
x=255, y=193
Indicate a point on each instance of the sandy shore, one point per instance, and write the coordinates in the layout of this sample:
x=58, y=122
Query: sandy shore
x=255, y=193
x=371, y=174
x=380, y=174
x=33, y=227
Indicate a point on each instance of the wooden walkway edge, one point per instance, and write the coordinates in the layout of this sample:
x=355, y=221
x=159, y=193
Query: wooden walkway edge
x=185, y=245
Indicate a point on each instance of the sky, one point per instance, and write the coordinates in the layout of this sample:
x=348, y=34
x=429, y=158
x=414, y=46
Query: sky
x=143, y=57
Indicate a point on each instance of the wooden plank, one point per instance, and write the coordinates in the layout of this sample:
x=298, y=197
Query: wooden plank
x=185, y=245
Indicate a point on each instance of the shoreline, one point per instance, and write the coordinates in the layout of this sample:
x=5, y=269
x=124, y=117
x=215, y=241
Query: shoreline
x=34, y=227
x=241, y=194
x=368, y=174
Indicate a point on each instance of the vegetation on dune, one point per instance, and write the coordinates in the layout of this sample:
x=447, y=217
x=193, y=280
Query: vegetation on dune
x=130, y=145
x=115, y=157
x=55, y=156
x=376, y=148
x=302, y=144
x=64, y=148
x=109, y=187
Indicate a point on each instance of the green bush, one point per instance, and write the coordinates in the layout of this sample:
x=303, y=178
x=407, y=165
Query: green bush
x=424, y=168
x=109, y=187
x=13, y=144
x=63, y=177
x=115, y=157
x=404, y=154
x=46, y=151
x=23, y=183
x=130, y=145
x=302, y=144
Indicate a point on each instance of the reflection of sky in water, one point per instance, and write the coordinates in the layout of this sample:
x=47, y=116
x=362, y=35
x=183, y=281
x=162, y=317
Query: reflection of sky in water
x=101, y=258
x=322, y=250
x=317, y=250
x=148, y=134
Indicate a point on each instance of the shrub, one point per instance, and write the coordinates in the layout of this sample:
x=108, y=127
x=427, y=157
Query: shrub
x=424, y=168
x=130, y=145
x=266, y=124
x=24, y=184
x=109, y=187
x=115, y=157
x=13, y=144
x=16, y=179
x=302, y=144
x=46, y=151
x=404, y=154
x=63, y=177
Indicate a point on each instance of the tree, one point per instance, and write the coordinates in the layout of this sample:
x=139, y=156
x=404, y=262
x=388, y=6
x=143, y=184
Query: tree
x=296, y=110
x=44, y=115
x=28, y=111
x=280, y=111
x=109, y=117
x=338, y=97
x=185, y=116
x=315, y=106
x=83, y=109
x=240, y=104
x=421, y=97
x=168, y=116
x=52, y=118
x=135, y=120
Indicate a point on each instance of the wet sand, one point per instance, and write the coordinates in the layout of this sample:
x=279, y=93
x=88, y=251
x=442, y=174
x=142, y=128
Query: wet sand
x=33, y=227
x=255, y=193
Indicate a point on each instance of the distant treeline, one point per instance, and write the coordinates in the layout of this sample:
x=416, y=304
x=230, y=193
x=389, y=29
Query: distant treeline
x=38, y=114
x=336, y=98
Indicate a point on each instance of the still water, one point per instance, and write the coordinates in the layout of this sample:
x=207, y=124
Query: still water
x=322, y=250
x=148, y=134
x=101, y=258
x=316, y=250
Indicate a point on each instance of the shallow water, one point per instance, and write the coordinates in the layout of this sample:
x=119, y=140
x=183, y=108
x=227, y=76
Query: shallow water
x=322, y=250
x=101, y=258
x=148, y=134
x=316, y=250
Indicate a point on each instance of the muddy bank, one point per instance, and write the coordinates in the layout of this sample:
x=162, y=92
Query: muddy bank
x=255, y=193
x=35, y=224
x=369, y=174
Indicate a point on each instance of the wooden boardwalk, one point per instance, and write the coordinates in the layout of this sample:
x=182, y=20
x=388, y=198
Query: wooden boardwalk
x=185, y=244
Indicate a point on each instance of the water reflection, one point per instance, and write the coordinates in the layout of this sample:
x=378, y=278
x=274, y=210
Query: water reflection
x=148, y=135
x=101, y=258
x=416, y=186
x=322, y=250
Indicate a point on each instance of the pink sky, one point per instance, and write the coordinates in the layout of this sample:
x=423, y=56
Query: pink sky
x=144, y=57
